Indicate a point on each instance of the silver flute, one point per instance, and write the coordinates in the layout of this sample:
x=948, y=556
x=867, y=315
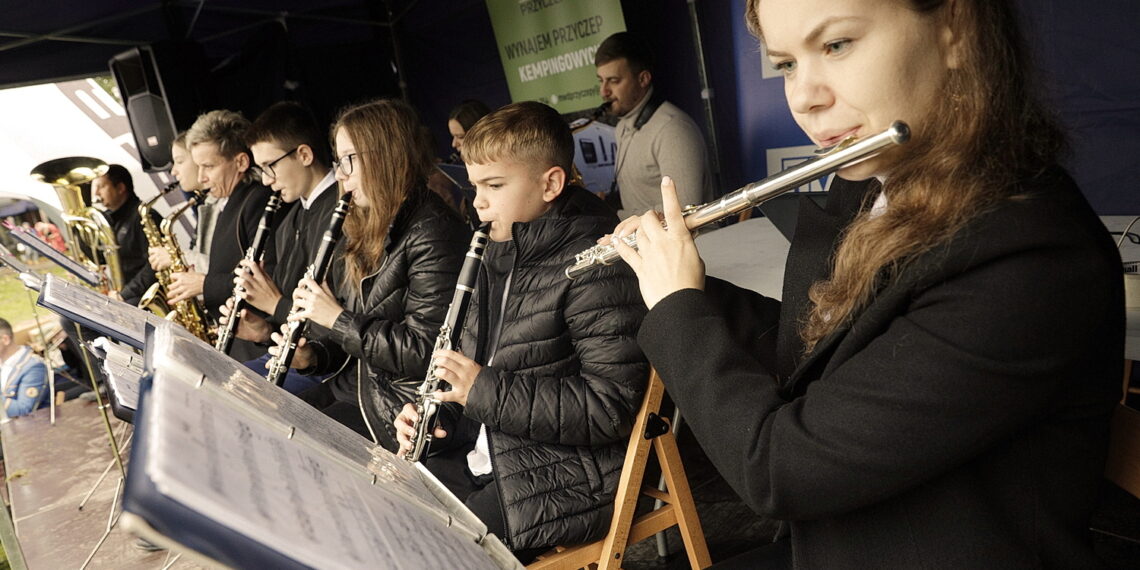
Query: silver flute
x=827, y=160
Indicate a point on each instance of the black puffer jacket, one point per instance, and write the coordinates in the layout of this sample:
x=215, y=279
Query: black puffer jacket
x=567, y=379
x=392, y=319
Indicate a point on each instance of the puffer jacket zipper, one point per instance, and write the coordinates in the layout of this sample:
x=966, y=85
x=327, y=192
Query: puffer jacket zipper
x=360, y=364
x=508, y=539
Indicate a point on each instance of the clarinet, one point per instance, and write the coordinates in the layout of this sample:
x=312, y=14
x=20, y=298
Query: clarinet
x=826, y=161
x=253, y=253
x=426, y=404
x=317, y=270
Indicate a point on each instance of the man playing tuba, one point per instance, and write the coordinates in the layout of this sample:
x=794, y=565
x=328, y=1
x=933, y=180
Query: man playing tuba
x=116, y=190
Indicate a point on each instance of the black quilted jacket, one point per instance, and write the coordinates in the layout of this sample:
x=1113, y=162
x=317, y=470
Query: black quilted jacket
x=567, y=379
x=383, y=338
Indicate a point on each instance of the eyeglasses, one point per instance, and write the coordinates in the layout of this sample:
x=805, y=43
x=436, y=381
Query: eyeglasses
x=344, y=163
x=266, y=171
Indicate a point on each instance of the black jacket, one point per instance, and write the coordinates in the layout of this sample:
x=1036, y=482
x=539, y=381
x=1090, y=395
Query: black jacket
x=382, y=340
x=129, y=235
x=566, y=382
x=298, y=236
x=233, y=234
x=960, y=421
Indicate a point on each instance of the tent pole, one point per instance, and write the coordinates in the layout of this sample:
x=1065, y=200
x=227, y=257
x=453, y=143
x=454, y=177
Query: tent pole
x=706, y=97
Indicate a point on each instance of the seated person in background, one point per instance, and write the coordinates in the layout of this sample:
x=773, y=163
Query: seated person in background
x=549, y=377
x=461, y=119
x=51, y=234
x=402, y=249
x=22, y=374
x=934, y=390
x=291, y=155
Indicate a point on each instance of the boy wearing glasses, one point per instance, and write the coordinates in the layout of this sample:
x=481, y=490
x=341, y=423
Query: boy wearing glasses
x=548, y=374
x=291, y=156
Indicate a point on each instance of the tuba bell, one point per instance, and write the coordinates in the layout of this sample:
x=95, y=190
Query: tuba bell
x=88, y=232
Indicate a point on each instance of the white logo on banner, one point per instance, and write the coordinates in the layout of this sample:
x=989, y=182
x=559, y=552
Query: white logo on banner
x=783, y=158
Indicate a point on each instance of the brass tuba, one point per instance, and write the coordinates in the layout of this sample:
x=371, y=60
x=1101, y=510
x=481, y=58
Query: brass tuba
x=86, y=228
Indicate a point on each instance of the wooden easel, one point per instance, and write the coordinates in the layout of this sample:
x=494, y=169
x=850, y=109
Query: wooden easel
x=677, y=509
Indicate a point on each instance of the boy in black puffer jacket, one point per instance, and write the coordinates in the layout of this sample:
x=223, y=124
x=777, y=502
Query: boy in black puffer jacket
x=548, y=373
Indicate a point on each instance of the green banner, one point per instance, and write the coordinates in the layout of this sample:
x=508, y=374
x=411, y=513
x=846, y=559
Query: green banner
x=547, y=48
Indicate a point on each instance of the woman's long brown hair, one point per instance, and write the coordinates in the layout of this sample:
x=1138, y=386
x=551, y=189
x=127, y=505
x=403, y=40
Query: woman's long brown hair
x=394, y=159
x=986, y=133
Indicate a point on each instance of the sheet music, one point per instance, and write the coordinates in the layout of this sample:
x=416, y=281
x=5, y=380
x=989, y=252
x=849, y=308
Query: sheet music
x=124, y=371
x=115, y=319
x=124, y=384
x=30, y=239
x=181, y=357
x=239, y=471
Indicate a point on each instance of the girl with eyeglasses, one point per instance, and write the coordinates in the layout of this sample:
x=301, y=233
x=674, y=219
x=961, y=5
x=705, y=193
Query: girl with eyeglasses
x=402, y=250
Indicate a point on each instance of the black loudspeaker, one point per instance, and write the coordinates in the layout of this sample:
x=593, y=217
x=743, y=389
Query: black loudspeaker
x=163, y=87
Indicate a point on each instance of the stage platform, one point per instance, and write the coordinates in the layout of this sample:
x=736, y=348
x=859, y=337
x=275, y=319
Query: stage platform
x=49, y=469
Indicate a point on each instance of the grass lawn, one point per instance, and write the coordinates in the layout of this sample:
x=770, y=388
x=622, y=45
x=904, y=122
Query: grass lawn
x=17, y=301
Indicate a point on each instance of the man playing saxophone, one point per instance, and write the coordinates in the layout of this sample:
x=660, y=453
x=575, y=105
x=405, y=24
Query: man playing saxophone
x=217, y=145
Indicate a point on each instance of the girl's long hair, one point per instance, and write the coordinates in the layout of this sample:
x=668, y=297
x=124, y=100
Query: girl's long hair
x=394, y=159
x=986, y=133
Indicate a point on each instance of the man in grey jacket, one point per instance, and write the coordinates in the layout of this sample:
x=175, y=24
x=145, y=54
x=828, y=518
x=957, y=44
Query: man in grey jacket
x=654, y=137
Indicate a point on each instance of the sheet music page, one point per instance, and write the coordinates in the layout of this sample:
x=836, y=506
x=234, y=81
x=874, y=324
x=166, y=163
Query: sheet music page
x=124, y=384
x=116, y=319
x=250, y=477
x=181, y=357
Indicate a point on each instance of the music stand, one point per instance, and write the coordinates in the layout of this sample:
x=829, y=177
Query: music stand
x=32, y=240
x=242, y=473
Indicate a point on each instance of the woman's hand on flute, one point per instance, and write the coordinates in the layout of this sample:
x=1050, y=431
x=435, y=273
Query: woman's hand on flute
x=666, y=259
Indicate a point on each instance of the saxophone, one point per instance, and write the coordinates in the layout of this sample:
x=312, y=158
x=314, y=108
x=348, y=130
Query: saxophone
x=253, y=253
x=426, y=403
x=828, y=160
x=189, y=313
x=154, y=299
x=278, y=366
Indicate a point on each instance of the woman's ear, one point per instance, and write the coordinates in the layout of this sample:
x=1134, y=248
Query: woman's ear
x=951, y=35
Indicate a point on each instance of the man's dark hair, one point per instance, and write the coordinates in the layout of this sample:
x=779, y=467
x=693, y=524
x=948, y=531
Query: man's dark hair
x=5, y=327
x=118, y=174
x=468, y=112
x=625, y=45
x=289, y=124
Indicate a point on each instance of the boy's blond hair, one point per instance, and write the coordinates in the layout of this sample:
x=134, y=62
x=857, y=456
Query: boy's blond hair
x=528, y=132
